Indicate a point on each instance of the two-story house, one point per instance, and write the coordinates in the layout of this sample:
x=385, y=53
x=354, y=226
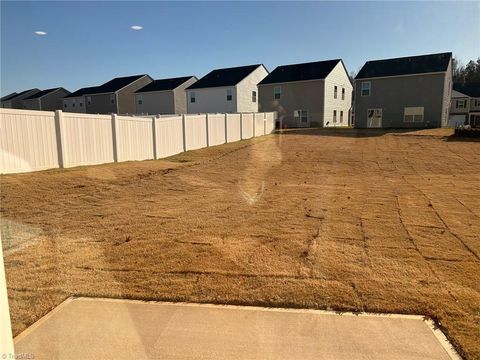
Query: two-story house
x=309, y=94
x=15, y=101
x=76, y=101
x=407, y=92
x=226, y=90
x=46, y=100
x=465, y=107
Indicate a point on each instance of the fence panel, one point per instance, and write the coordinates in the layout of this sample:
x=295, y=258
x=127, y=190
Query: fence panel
x=269, y=122
x=27, y=141
x=259, y=124
x=247, y=126
x=195, y=132
x=216, y=129
x=233, y=128
x=169, y=136
x=86, y=139
x=134, y=138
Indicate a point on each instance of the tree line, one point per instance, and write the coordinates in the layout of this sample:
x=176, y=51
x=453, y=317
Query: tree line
x=466, y=73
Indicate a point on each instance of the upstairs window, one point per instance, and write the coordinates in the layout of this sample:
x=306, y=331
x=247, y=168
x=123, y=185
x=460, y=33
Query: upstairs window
x=277, y=92
x=192, y=96
x=335, y=90
x=254, y=96
x=139, y=99
x=461, y=104
x=343, y=93
x=112, y=99
x=229, y=94
x=366, y=88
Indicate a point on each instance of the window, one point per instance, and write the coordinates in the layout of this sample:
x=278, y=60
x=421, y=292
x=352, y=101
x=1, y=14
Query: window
x=366, y=88
x=334, y=116
x=301, y=116
x=335, y=92
x=139, y=99
x=73, y=104
x=112, y=99
x=229, y=94
x=343, y=93
x=413, y=114
x=254, y=96
x=89, y=100
x=65, y=105
x=192, y=96
x=81, y=104
x=341, y=117
x=461, y=104
x=277, y=92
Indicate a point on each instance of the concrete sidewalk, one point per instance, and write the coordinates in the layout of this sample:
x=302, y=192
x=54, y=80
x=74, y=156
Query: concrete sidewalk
x=83, y=328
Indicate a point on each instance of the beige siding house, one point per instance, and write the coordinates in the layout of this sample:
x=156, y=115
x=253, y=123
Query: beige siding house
x=15, y=101
x=116, y=96
x=465, y=105
x=308, y=94
x=226, y=90
x=46, y=100
x=164, y=96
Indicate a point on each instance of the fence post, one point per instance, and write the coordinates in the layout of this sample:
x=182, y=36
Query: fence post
x=184, y=133
x=58, y=134
x=241, y=126
x=154, y=134
x=264, y=123
x=206, y=127
x=114, y=137
x=254, y=123
x=226, y=121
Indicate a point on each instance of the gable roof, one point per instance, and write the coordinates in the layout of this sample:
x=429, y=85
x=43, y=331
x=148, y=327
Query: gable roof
x=83, y=91
x=470, y=89
x=165, y=84
x=405, y=66
x=22, y=95
x=298, y=72
x=116, y=84
x=224, y=77
x=9, y=96
x=42, y=93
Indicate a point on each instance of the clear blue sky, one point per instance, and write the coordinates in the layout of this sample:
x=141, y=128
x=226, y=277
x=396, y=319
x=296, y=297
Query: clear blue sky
x=88, y=43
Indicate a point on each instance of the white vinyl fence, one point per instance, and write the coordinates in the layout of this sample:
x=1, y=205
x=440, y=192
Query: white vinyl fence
x=36, y=140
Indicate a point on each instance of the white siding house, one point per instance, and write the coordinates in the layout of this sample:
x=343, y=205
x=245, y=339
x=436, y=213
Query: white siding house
x=226, y=90
x=338, y=97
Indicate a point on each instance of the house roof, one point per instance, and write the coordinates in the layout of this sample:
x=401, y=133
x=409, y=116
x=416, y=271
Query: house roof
x=405, y=66
x=42, y=93
x=83, y=91
x=9, y=96
x=224, y=77
x=116, y=84
x=470, y=89
x=298, y=72
x=22, y=94
x=165, y=84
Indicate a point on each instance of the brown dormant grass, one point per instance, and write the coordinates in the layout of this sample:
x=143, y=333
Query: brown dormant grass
x=313, y=219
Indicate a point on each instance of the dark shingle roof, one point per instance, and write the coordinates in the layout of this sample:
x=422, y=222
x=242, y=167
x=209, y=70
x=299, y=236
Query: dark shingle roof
x=42, y=93
x=224, y=77
x=298, y=72
x=83, y=91
x=404, y=66
x=470, y=89
x=116, y=84
x=24, y=94
x=9, y=96
x=164, y=84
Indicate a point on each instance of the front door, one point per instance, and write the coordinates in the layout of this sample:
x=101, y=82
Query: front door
x=374, y=118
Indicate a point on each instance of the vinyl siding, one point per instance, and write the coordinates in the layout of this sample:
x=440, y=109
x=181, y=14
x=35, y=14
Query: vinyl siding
x=156, y=102
x=101, y=104
x=77, y=101
x=393, y=94
x=245, y=88
x=337, y=77
x=180, y=96
x=126, y=95
x=212, y=100
x=300, y=95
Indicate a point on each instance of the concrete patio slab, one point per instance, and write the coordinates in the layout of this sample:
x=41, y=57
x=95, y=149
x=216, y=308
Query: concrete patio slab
x=85, y=328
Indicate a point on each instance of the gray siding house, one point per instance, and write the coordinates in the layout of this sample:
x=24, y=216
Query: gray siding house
x=15, y=101
x=465, y=108
x=76, y=101
x=115, y=96
x=46, y=100
x=164, y=96
x=309, y=94
x=408, y=92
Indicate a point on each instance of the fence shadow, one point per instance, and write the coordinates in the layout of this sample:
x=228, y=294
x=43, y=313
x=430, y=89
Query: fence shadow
x=341, y=132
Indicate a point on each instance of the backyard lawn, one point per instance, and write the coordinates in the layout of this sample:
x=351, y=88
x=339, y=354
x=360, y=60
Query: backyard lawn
x=309, y=218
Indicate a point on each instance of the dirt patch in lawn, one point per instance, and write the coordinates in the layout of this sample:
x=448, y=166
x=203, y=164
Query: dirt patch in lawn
x=315, y=219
